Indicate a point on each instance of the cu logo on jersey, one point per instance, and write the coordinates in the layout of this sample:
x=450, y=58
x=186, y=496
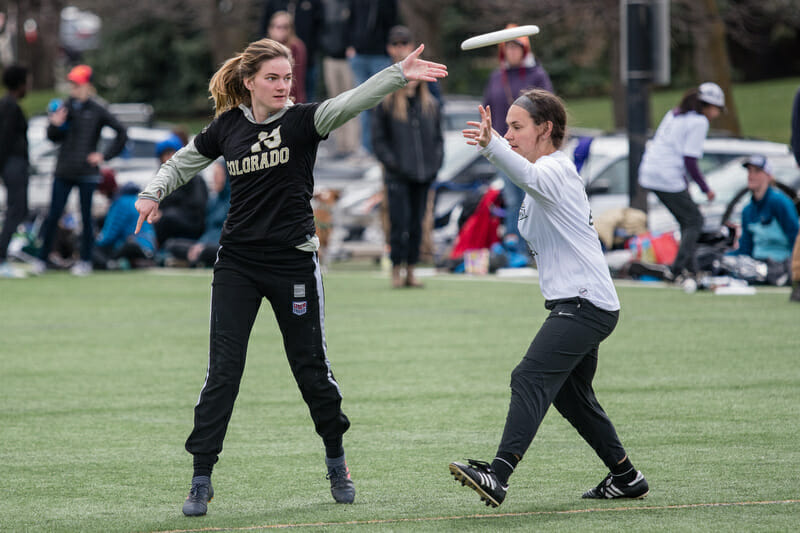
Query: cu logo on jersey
x=267, y=141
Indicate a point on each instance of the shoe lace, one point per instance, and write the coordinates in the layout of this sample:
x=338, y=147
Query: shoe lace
x=337, y=474
x=480, y=465
x=601, y=487
x=196, y=487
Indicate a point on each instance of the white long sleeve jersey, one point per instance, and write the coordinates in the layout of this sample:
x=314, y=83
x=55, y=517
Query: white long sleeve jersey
x=556, y=221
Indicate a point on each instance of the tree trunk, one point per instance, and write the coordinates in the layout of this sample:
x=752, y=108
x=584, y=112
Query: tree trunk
x=424, y=17
x=39, y=54
x=231, y=28
x=711, y=62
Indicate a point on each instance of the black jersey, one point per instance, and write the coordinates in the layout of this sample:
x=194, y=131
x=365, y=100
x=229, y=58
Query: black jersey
x=271, y=172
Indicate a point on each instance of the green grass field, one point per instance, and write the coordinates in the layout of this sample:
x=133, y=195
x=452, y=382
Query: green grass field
x=100, y=374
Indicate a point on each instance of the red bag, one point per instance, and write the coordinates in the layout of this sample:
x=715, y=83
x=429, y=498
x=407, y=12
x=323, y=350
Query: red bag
x=661, y=249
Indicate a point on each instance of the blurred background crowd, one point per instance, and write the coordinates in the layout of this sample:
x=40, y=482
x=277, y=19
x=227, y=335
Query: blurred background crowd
x=149, y=65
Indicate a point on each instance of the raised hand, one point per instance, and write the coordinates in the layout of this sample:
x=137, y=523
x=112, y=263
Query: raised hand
x=415, y=68
x=483, y=134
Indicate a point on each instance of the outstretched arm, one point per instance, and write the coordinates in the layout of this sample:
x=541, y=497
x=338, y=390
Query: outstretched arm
x=335, y=111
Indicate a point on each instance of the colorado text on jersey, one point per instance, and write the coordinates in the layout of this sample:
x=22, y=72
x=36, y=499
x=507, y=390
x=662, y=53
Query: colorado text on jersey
x=261, y=159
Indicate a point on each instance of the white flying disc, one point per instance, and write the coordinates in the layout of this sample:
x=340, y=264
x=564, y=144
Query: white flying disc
x=497, y=37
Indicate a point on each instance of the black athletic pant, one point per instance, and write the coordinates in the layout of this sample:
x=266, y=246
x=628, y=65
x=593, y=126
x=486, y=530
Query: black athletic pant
x=688, y=215
x=558, y=368
x=15, y=176
x=407, y=201
x=291, y=281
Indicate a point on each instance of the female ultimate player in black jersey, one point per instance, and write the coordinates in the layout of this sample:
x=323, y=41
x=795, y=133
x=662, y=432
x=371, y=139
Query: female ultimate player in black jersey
x=268, y=244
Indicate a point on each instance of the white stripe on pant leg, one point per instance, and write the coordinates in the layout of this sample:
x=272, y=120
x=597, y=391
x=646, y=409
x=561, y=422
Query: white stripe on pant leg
x=210, y=319
x=321, y=304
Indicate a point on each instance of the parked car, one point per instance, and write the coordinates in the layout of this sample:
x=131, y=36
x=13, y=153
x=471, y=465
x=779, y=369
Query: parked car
x=457, y=110
x=137, y=162
x=729, y=182
x=358, y=228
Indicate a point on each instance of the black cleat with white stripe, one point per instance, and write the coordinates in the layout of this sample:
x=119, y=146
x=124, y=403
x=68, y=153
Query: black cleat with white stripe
x=480, y=477
x=609, y=489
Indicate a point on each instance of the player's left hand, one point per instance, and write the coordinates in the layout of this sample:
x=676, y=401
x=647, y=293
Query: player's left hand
x=415, y=68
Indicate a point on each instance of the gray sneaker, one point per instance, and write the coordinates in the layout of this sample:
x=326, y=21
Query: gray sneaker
x=81, y=268
x=38, y=267
x=200, y=494
x=342, y=488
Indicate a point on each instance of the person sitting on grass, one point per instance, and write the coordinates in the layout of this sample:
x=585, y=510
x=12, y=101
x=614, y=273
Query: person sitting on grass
x=117, y=247
x=203, y=251
x=769, y=221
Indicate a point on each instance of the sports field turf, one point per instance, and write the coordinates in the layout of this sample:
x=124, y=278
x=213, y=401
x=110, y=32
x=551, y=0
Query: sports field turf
x=98, y=377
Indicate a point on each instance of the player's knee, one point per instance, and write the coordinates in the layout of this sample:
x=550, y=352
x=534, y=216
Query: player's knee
x=521, y=376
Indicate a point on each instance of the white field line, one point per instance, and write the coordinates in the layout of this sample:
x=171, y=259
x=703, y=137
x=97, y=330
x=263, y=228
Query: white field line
x=486, y=516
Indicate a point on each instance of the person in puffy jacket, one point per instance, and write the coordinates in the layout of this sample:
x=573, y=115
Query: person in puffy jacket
x=76, y=125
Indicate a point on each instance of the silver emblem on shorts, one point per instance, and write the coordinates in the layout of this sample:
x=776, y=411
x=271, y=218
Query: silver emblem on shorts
x=299, y=290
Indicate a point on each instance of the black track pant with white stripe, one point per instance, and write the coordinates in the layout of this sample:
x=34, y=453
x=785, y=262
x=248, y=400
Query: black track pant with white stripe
x=558, y=369
x=292, y=282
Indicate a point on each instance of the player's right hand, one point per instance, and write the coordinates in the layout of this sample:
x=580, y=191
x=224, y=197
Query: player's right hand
x=148, y=210
x=483, y=134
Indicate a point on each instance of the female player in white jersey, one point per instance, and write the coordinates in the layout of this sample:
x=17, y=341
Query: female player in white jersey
x=673, y=155
x=560, y=363
x=268, y=247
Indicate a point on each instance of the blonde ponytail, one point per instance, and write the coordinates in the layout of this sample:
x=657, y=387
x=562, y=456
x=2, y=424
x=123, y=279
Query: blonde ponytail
x=227, y=87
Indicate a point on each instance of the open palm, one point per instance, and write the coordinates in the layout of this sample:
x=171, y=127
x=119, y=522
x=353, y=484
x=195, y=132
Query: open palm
x=482, y=131
x=415, y=68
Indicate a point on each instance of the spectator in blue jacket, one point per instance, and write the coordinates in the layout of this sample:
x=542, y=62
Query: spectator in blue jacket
x=117, y=245
x=769, y=221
